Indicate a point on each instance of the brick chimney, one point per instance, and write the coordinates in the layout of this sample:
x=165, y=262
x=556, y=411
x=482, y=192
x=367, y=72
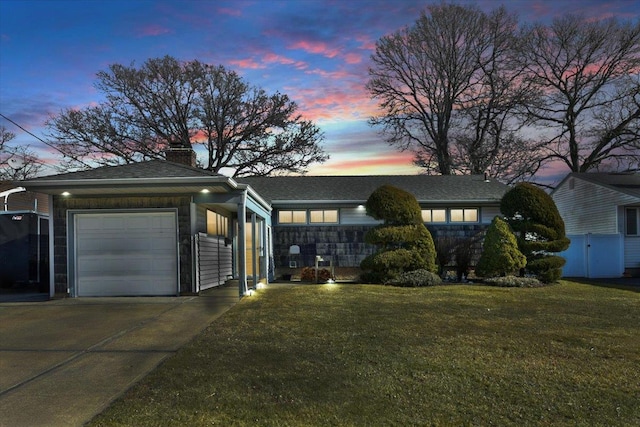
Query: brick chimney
x=182, y=155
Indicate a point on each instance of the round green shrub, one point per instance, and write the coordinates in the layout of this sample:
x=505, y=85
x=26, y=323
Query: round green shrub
x=548, y=268
x=529, y=207
x=389, y=263
x=394, y=206
x=416, y=278
x=500, y=253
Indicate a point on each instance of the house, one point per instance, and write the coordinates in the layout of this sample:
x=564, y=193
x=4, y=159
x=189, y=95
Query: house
x=24, y=239
x=168, y=228
x=325, y=217
x=601, y=212
x=153, y=228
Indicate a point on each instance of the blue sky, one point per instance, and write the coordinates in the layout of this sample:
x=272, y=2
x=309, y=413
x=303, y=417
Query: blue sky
x=317, y=52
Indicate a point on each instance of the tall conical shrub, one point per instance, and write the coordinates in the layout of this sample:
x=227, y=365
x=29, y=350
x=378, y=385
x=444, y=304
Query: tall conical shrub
x=500, y=253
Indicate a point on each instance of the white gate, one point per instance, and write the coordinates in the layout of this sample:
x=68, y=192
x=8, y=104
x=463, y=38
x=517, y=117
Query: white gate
x=214, y=261
x=594, y=256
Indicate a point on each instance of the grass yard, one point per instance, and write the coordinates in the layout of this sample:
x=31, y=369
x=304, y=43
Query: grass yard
x=352, y=355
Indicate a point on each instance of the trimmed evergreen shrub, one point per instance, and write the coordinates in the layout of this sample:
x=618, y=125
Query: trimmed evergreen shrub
x=500, y=253
x=416, y=278
x=514, y=282
x=394, y=206
x=534, y=217
x=405, y=244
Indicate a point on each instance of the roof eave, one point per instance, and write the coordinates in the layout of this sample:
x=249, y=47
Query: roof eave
x=51, y=186
x=362, y=201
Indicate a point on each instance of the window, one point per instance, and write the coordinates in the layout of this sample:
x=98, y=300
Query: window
x=434, y=215
x=217, y=224
x=292, y=217
x=464, y=215
x=633, y=220
x=323, y=216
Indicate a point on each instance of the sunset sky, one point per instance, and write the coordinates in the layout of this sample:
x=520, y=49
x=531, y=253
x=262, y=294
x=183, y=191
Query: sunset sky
x=317, y=52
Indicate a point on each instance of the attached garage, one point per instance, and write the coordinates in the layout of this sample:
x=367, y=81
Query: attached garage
x=125, y=253
x=139, y=229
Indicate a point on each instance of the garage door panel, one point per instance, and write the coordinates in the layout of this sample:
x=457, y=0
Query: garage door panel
x=133, y=244
x=123, y=265
x=126, y=254
x=122, y=286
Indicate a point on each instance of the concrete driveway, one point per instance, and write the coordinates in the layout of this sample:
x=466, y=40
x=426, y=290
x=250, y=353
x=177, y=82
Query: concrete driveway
x=63, y=361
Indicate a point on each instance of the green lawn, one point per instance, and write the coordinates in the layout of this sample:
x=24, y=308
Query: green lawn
x=352, y=355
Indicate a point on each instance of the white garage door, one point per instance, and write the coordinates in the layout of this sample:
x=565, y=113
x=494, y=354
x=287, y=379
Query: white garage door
x=126, y=254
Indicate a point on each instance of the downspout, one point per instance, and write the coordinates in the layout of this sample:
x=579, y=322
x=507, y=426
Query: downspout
x=254, y=252
x=242, y=246
x=52, y=238
x=195, y=261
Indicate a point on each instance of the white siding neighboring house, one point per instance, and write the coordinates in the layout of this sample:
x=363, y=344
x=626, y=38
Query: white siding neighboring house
x=601, y=212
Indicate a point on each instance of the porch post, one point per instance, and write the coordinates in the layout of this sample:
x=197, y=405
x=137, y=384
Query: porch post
x=242, y=247
x=265, y=251
x=254, y=251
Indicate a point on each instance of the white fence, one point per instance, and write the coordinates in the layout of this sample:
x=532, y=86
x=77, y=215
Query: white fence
x=594, y=256
x=214, y=261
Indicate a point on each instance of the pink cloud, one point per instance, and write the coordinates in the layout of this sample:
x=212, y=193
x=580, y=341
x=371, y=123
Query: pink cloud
x=247, y=63
x=389, y=164
x=352, y=58
x=318, y=48
x=272, y=58
x=366, y=42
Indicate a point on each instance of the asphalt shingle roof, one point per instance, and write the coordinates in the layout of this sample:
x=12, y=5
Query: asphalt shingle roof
x=425, y=188
x=142, y=170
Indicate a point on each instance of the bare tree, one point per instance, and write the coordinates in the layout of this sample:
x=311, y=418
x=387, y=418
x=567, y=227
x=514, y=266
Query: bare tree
x=586, y=74
x=5, y=137
x=16, y=163
x=168, y=103
x=449, y=89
